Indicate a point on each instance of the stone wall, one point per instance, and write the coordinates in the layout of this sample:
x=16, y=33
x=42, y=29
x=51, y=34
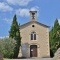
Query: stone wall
x=57, y=55
x=42, y=40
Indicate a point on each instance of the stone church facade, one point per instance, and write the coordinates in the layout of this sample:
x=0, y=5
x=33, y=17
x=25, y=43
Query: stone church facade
x=35, y=38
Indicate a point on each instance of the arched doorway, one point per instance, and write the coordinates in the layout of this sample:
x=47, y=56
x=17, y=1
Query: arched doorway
x=33, y=51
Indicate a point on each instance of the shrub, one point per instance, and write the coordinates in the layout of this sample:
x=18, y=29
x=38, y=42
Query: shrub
x=7, y=46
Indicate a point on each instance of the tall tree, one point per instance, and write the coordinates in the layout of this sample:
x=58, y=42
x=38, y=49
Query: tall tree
x=55, y=37
x=14, y=27
x=15, y=34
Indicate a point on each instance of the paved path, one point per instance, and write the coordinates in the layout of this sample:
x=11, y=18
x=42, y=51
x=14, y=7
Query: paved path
x=32, y=59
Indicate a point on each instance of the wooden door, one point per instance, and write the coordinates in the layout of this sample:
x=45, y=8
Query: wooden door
x=33, y=51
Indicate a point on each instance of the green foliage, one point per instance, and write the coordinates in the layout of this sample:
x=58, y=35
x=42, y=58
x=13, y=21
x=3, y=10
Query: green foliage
x=55, y=37
x=14, y=28
x=7, y=46
x=15, y=33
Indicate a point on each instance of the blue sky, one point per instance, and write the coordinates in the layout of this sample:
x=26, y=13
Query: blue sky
x=48, y=11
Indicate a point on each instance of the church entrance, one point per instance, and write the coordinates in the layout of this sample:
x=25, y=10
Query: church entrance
x=33, y=51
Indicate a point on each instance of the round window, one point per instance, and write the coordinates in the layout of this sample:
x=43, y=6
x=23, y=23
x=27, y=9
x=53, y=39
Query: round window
x=33, y=25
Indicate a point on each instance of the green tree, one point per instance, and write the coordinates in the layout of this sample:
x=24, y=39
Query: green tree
x=14, y=27
x=15, y=34
x=55, y=36
x=7, y=46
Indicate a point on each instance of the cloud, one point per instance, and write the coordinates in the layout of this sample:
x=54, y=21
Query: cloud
x=4, y=7
x=59, y=21
x=25, y=12
x=19, y=2
x=22, y=12
x=9, y=21
x=35, y=8
x=2, y=37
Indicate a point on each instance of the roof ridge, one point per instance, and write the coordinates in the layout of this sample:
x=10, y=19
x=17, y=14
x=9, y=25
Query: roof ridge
x=33, y=22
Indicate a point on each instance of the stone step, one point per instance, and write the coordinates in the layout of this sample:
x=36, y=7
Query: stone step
x=32, y=59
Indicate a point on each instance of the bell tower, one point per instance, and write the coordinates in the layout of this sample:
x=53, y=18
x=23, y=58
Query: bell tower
x=33, y=15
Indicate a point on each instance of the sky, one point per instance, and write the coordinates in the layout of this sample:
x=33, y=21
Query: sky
x=47, y=12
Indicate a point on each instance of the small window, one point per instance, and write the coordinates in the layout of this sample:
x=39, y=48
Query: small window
x=33, y=36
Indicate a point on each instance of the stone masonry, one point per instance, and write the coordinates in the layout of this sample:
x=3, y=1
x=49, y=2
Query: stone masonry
x=57, y=55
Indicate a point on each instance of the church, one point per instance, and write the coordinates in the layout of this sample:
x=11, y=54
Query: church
x=34, y=38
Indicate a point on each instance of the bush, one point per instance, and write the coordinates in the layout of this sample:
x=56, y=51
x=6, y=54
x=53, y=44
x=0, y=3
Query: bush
x=7, y=46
